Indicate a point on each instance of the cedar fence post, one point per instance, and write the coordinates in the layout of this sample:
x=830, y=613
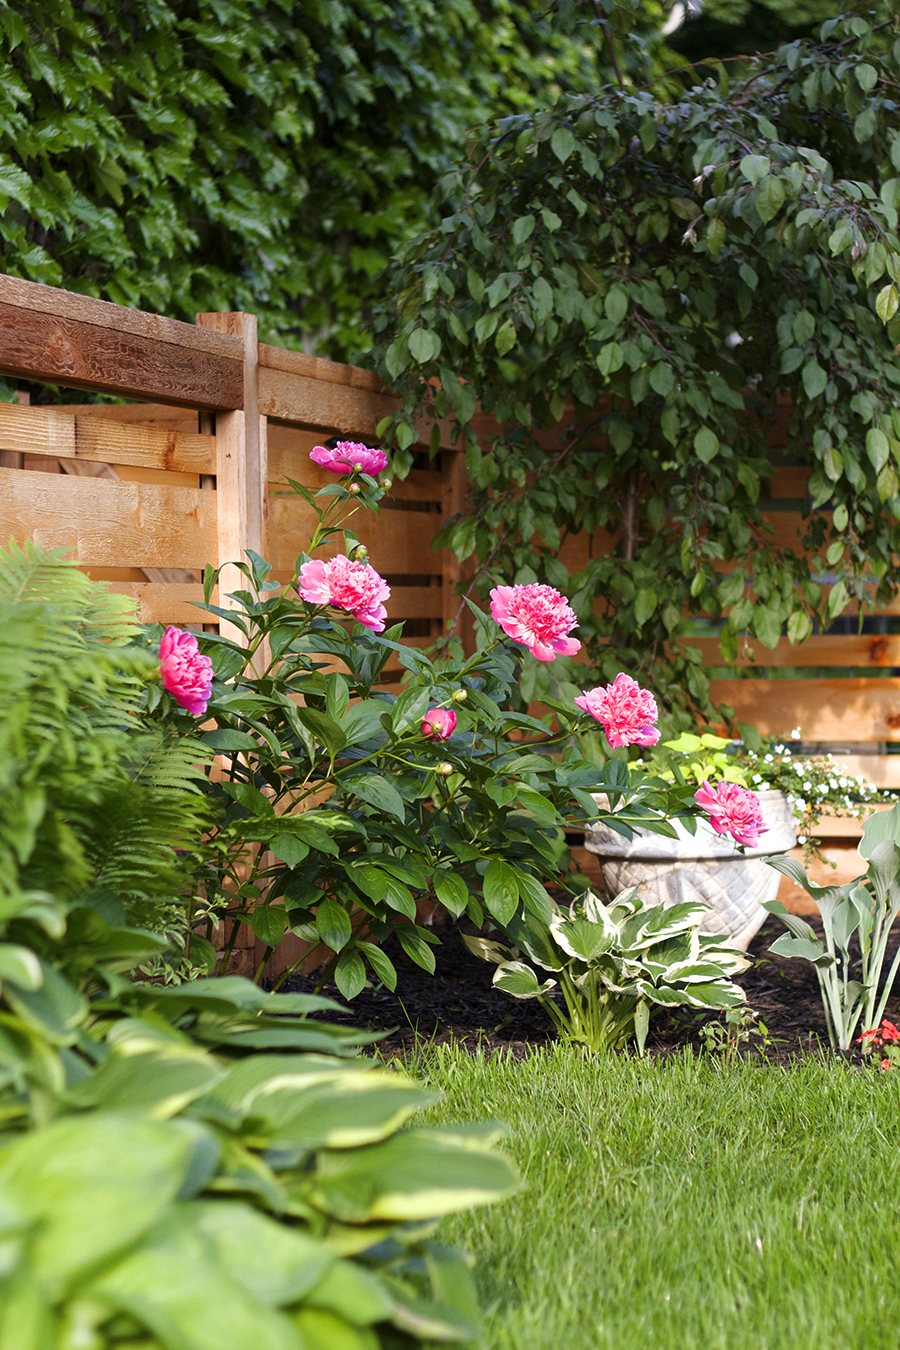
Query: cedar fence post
x=241, y=467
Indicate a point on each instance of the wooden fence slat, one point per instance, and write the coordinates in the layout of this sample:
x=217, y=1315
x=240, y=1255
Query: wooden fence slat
x=400, y=541
x=332, y=372
x=166, y=602
x=158, y=415
x=863, y=709
x=829, y=650
x=107, y=523
x=333, y=408
x=52, y=432
x=35, y=345
x=53, y=301
x=415, y=602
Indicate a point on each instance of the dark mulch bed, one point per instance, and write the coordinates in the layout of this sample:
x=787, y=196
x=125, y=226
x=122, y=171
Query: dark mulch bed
x=458, y=1004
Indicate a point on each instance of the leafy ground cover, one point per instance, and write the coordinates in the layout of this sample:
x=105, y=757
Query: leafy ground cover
x=682, y=1203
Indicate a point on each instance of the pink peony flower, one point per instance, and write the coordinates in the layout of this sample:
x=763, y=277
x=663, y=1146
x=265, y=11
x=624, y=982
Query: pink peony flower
x=439, y=724
x=185, y=673
x=354, y=586
x=732, y=810
x=625, y=710
x=349, y=455
x=538, y=617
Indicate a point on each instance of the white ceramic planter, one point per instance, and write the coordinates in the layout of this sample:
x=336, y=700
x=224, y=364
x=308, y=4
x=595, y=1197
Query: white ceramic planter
x=705, y=866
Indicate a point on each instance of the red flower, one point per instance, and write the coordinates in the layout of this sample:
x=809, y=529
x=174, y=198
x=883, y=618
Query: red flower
x=885, y=1064
x=866, y=1036
x=889, y=1032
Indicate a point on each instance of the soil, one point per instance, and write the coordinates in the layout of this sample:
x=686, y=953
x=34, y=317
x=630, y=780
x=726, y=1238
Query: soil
x=459, y=1004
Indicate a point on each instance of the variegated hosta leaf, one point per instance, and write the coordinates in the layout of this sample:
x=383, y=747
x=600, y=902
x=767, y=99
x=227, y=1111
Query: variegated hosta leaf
x=487, y=950
x=730, y=959
x=624, y=905
x=700, y=973
x=520, y=981
x=581, y=938
x=666, y=958
x=660, y=921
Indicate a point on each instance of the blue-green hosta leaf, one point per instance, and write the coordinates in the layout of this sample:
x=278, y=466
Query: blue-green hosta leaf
x=826, y=897
x=276, y=1264
x=54, y=1010
x=345, y=1112
x=804, y=948
x=416, y=1175
x=20, y=966
x=157, y=1083
x=96, y=1183
x=175, y=1284
x=515, y=978
x=880, y=827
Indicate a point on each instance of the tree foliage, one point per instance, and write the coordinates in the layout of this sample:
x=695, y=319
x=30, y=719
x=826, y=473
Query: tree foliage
x=669, y=262
x=182, y=156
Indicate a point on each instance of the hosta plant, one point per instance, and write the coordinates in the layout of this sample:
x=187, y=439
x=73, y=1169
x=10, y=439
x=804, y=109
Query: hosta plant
x=864, y=909
x=614, y=966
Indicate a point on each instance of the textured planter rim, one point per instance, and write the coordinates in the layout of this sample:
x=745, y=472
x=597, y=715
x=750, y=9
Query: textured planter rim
x=706, y=843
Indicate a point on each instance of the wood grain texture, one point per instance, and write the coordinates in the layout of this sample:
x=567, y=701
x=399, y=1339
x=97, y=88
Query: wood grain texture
x=160, y=602
x=53, y=301
x=864, y=709
x=338, y=409
x=56, y=433
x=332, y=372
x=834, y=650
x=36, y=345
x=144, y=414
x=107, y=523
x=398, y=541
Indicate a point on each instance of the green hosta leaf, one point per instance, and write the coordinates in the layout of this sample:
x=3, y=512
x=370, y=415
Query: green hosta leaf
x=806, y=948
x=413, y=1176
x=21, y=966
x=95, y=1184
x=54, y=1009
x=501, y=890
x=156, y=1084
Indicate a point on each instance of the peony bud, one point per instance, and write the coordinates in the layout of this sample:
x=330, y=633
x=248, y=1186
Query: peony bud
x=354, y=489
x=460, y=696
x=387, y=484
x=438, y=724
x=444, y=769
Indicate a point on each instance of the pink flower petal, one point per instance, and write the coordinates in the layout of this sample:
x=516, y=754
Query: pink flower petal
x=537, y=617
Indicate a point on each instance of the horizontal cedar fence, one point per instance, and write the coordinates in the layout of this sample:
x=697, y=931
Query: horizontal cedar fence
x=146, y=493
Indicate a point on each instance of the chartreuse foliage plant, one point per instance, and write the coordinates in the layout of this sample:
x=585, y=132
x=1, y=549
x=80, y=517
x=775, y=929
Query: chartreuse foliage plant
x=364, y=808
x=615, y=965
x=647, y=271
x=865, y=910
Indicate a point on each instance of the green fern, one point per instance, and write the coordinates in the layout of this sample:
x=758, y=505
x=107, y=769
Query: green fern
x=93, y=795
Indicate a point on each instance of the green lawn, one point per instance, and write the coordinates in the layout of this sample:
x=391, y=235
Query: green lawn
x=684, y=1204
